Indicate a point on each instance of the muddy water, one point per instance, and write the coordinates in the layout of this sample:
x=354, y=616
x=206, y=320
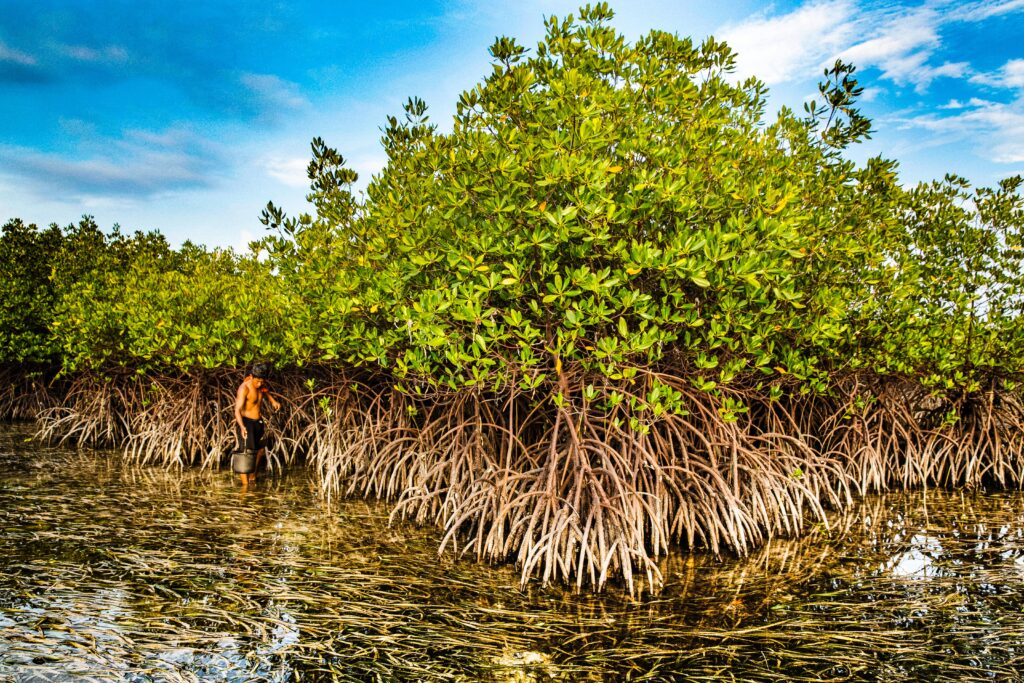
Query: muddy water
x=114, y=573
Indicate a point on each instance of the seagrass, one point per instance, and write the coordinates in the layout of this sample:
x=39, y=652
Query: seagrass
x=189, y=580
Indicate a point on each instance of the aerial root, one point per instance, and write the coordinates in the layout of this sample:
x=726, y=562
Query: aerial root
x=579, y=490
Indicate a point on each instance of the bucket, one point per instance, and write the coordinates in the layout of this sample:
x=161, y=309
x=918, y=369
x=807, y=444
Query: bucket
x=243, y=463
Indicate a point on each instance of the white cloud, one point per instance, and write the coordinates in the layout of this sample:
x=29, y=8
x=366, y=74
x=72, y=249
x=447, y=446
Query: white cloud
x=1007, y=135
x=927, y=74
x=8, y=54
x=871, y=94
x=902, y=49
x=979, y=11
x=1011, y=75
x=903, y=41
x=289, y=171
x=998, y=128
x=792, y=45
x=109, y=176
x=241, y=244
x=367, y=164
x=907, y=35
x=77, y=128
x=138, y=164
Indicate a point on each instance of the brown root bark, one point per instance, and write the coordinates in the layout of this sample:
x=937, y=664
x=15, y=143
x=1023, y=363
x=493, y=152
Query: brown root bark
x=574, y=489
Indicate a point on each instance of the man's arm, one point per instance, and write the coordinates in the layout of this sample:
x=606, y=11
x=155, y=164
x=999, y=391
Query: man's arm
x=273, y=401
x=239, y=403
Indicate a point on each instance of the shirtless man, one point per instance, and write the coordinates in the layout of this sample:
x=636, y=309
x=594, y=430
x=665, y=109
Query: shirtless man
x=248, y=402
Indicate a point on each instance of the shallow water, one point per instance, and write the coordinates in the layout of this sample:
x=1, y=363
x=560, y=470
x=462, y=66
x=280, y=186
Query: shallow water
x=116, y=573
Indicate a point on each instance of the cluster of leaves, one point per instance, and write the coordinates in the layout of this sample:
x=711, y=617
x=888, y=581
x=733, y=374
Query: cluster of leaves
x=79, y=299
x=42, y=267
x=600, y=203
x=947, y=307
x=212, y=309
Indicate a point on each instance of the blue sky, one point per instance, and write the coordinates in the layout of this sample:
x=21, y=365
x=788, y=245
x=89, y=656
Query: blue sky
x=188, y=117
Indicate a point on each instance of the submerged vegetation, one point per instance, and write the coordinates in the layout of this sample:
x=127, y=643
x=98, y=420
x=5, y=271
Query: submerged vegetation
x=123, y=573
x=613, y=309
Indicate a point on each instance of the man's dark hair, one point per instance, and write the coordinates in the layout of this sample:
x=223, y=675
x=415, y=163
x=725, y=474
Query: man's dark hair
x=260, y=371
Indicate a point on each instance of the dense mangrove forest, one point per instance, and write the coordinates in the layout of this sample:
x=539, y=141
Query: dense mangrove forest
x=611, y=308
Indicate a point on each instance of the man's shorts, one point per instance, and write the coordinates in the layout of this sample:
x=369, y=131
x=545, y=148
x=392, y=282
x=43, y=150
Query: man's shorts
x=255, y=433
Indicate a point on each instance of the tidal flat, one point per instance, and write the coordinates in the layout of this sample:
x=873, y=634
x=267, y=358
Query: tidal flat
x=113, y=572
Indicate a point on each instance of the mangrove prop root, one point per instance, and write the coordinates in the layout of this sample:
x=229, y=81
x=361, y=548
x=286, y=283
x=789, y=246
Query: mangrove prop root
x=583, y=490
x=25, y=392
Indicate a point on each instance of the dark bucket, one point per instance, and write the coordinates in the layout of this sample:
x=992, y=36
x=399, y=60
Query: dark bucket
x=243, y=463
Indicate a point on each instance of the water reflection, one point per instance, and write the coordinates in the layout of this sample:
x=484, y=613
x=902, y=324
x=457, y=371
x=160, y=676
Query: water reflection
x=919, y=560
x=120, y=573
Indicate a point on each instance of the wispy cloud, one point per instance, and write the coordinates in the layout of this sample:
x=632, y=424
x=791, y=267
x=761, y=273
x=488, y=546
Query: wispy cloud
x=288, y=171
x=17, y=66
x=903, y=42
x=903, y=48
x=872, y=94
x=986, y=9
x=1011, y=75
x=270, y=96
x=183, y=50
x=139, y=164
x=13, y=56
x=995, y=126
x=110, y=54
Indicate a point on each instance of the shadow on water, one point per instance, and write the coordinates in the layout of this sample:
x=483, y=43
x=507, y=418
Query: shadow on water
x=114, y=573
